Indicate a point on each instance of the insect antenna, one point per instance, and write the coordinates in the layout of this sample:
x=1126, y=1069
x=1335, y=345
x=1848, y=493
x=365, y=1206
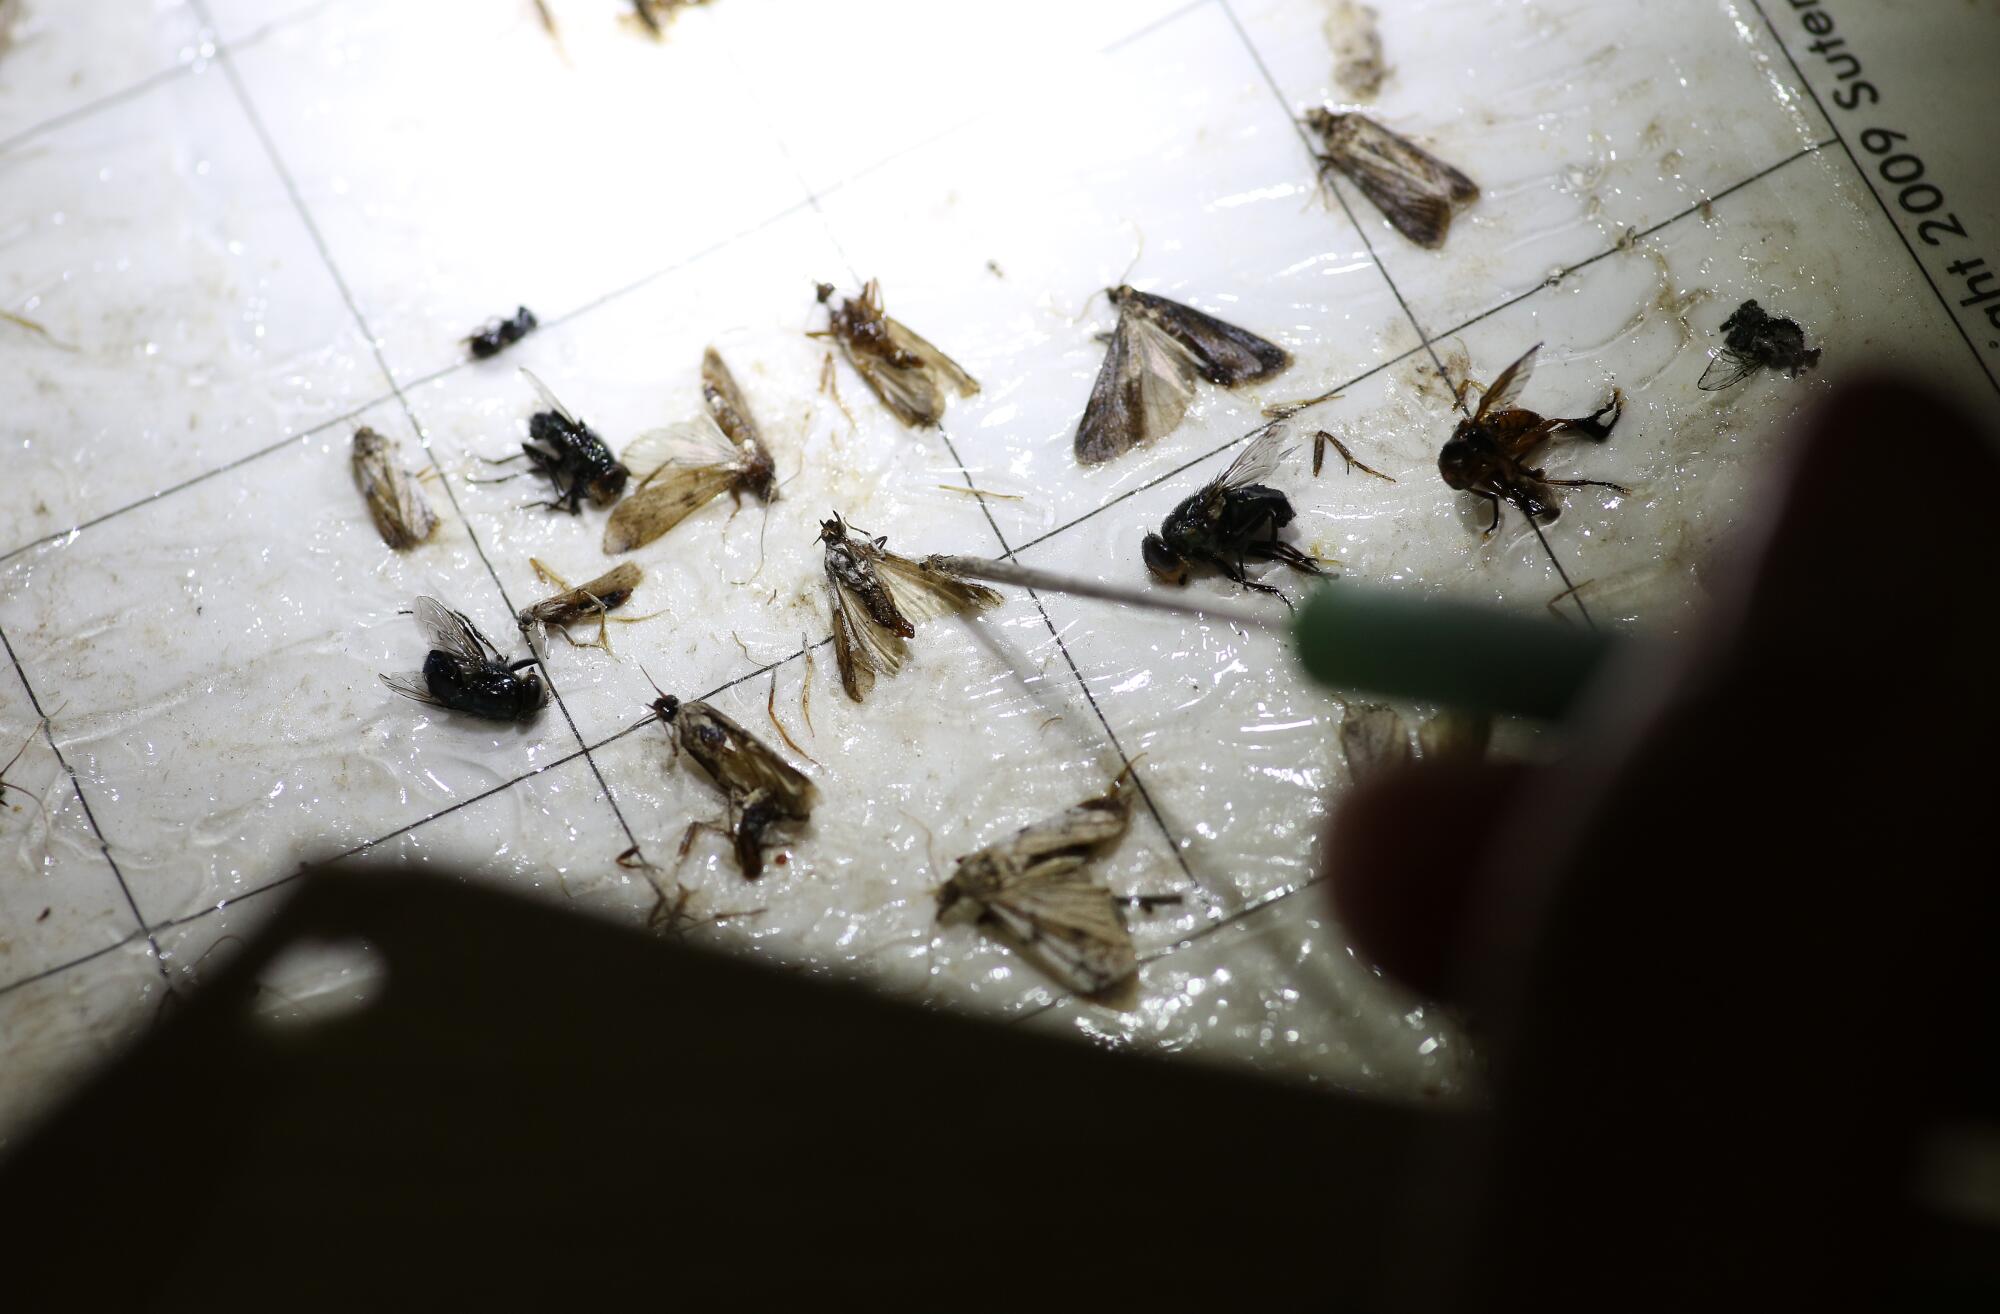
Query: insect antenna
x=4, y=786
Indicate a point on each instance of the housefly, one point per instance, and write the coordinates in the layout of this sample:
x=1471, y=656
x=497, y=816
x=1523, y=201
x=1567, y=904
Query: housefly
x=906, y=372
x=396, y=503
x=1416, y=191
x=498, y=334
x=466, y=673
x=1754, y=338
x=570, y=455
x=762, y=788
x=1158, y=350
x=1231, y=519
x=878, y=597
x=1487, y=453
x=685, y=466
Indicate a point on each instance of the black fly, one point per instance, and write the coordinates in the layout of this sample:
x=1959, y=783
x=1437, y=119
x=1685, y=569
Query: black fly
x=1753, y=337
x=1231, y=519
x=571, y=455
x=466, y=673
x=499, y=334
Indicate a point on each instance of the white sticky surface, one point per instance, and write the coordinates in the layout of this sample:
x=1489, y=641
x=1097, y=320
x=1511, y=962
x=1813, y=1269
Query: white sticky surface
x=248, y=228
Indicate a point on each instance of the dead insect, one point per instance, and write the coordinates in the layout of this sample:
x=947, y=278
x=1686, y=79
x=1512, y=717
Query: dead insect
x=1374, y=741
x=1032, y=885
x=402, y=515
x=598, y=598
x=1231, y=519
x=1416, y=191
x=877, y=598
x=685, y=466
x=1323, y=440
x=1158, y=350
x=762, y=788
x=905, y=371
x=570, y=455
x=496, y=335
x=1754, y=337
x=1487, y=452
x=466, y=673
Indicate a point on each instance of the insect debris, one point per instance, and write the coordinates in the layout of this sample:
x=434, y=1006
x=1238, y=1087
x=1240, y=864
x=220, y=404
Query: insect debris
x=1416, y=191
x=1754, y=338
x=4, y=785
x=598, y=598
x=907, y=373
x=1323, y=440
x=402, y=515
x=466, y=673
x=1233, y=518
x=500, y=333
x=685, y=466
x=570, y=455
x=1487, y=452
x=762, y=789
x=1032, y=886
x=1146, y=383
x=878, y=597
x=654, y=15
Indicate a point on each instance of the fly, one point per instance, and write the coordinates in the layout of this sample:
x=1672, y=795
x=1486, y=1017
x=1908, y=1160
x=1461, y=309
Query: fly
x=1754, y=338
x=395, y=502
x=498, y=334
x=1231, y=519
x=466, y=673
x=1416, y=191
x=1032, y=886
x=597, y=599
x=685, y=466
x=877, y=598
x=762, y=788
x=570, y=455
x=906, y=372
x=1146, y=383
x=1487, y=453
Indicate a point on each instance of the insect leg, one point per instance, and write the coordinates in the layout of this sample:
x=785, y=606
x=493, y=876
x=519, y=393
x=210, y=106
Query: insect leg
x=503, y=460
x=1234, y=570
x=1291, y=556
x=1620, y=489
x=1594, y=426
x=1494, y=498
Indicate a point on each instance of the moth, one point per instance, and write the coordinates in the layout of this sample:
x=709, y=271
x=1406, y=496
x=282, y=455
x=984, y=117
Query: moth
x=1033, y=887
x=685, y=466
x=1488, y=450
x=598, y=599
x=1374, y=741
x=763, y=789
x=570, y=455
x=498, y=334
x=466, y=673
x=1754, y=338
x=878, y=597
x=1146, y=383
x=1416, y=191
x=396, y=503
x=1232, y=519
x=906, y=372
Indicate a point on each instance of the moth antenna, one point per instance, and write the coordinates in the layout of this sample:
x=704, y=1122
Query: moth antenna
x=1139, y=249
x=650, y=680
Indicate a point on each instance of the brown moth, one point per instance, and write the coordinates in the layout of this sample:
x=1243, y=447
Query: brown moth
x=906, y=372
x=1416, y=191
x=397, y=505
x=877, y=599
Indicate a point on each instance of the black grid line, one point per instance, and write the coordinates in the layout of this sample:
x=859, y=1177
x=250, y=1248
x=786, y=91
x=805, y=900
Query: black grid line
x=76, y=783
x=47, y=972
x=1887, y=213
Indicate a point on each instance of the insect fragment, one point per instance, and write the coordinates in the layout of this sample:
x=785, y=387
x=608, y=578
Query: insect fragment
x=500, y=333
x=466, y=673
x=598, y=598
x=906, y=372
x=1146, y=383
x=1753, y=337
x=685, y=466
x=1033, y=887
x=1323, y=440
x=1416, y=192
x=1233, y=518
x=570, y=455
x=878, y=597
x=403, y=517
x=4, y=785
x=1487, y=453
x=763, y=790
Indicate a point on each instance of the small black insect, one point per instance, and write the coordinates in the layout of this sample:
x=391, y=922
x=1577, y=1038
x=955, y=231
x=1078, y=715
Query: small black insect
x=499, y=334
x=466, y=673
x=1487, y=453
x=571, y=455
x=1231, y=519
x=1753, y=337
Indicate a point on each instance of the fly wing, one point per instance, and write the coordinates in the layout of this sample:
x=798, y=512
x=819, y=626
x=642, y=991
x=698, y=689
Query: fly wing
x=1143, y=389
x=1726, y=369
x=696, y=442
x=549, y=399
x=1414, y=190
x=1509, y=385
x=1228, y=355
x=725, y=403
x=941, y=366
x=925, y=592
x=450, y=631
x=1069, y=924
x=412, y=685
x=1259, y=461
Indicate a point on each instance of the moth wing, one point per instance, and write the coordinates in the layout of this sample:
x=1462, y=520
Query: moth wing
x=669, y=496
x=411, y=684
x=926, y=593
x=726, y=403
x=402, y=515
x=697, y=441
x=1228, y=355
x=1414, y=190
x=906, y=339
x=747, y=765
x=861, y=646
x=549, y=399
x=1142, y=390
x=909, y=391
x=1726, y=369
x=1510, y=384
x=450, y=631
x=1068, y=923
x=1087, y=825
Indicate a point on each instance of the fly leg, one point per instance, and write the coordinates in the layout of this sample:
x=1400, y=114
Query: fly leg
x=1494, y=498
x=1620, y=489
x=1285, y=552
x=1594, y=426
x=695, y=828
x=1234, y=570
